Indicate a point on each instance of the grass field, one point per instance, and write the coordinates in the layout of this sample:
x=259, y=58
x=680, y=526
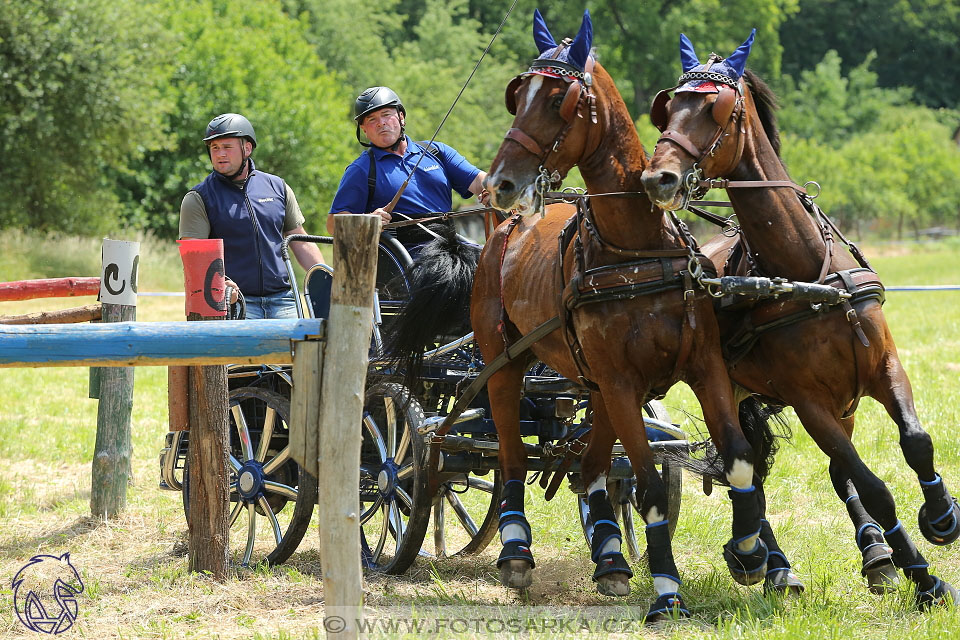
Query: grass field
x=135, y=574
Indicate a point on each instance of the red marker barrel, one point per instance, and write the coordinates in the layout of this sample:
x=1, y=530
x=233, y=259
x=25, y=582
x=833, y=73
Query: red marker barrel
x=203, y=276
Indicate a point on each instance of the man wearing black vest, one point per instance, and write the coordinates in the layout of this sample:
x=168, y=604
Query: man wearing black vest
x=373, y=179
x=251, y=211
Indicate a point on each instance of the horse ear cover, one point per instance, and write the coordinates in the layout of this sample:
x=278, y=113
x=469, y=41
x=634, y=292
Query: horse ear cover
x=688, y=57
x=541, y=34
x=738, y=59
x=580, y=48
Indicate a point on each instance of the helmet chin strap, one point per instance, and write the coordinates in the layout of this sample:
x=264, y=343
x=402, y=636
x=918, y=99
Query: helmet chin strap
x=396, y=143
x=243, y=165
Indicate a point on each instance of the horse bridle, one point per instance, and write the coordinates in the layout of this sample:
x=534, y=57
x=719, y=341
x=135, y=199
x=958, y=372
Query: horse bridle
x=579, y=93
x=728, y=109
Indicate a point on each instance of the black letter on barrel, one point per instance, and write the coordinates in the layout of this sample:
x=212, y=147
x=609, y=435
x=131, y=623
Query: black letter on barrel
x=134, y=274
x=215, y=267
x=112, y=271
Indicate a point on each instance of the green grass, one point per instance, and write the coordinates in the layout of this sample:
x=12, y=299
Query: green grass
x=139, y=587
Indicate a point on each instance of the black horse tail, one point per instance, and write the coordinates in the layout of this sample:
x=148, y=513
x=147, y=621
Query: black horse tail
x=440, y=285
x=762, y=424
x=756, y=417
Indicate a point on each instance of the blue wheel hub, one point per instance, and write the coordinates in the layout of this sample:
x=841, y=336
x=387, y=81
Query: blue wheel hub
x=250, y=480
x=387, y=478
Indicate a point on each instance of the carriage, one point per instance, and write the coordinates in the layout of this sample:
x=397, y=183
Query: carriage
x=411, y=475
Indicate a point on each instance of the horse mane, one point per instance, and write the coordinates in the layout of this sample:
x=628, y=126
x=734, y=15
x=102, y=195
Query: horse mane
x=766, y=102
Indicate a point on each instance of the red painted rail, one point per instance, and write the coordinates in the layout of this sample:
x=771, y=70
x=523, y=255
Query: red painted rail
x=49, y=288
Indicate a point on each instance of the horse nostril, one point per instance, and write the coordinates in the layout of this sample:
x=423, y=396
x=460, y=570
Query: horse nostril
x=506, y=187
x=668, y=180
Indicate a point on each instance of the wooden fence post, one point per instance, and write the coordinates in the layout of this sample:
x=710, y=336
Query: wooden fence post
x=341, y=410
x=208, y=482
x=111, y=455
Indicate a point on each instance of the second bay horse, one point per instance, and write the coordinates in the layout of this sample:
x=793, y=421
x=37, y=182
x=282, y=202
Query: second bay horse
x=720, y=124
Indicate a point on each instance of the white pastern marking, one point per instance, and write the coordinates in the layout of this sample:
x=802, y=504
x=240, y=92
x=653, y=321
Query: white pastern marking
x=665, y=585
x=654, y=516
x=598, y=484
x=741, y=475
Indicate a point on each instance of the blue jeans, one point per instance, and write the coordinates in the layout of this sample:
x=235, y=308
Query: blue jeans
x=273, y=306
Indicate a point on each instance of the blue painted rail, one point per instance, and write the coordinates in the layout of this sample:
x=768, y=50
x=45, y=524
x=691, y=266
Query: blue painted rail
x=124, y=344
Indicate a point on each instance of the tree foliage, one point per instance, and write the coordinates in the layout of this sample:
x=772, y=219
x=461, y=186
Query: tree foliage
x=77, y=98
x=256, y=62
x=103, y=102
x=876, y=156
x=917, y=42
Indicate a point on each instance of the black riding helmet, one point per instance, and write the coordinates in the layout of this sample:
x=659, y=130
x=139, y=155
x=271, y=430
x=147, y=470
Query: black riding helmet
x=373, y=99
x=230, y=125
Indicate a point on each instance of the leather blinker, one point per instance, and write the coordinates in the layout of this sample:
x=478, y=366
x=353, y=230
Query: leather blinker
x=570, y=101
x=658, y=110
x=723, y=105
x=510, y=96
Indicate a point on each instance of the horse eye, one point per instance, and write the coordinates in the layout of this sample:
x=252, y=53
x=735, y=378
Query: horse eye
x=556, y=102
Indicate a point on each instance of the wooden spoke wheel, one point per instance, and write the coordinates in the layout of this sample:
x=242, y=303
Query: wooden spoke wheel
x=271, y=496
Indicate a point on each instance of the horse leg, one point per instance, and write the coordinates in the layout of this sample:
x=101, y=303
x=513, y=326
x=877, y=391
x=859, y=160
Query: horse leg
x=755, y=424
x=612, y=574
x=939, y=517
x=746, y=553
x=877, y=566
x=830, y=436
x=516, y=560
x=622, y=401
x=779, y=577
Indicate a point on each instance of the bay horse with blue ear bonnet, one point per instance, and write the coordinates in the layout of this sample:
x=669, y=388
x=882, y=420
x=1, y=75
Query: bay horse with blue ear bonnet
x=622, y=277
x=719, y=130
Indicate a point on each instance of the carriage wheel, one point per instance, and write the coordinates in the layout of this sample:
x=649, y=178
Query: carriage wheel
x=466, y=514
x=394, y=507
x=271, y=496
x=623, y=495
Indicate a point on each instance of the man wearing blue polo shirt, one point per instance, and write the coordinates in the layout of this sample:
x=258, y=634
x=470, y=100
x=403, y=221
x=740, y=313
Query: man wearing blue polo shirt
x=372, y=180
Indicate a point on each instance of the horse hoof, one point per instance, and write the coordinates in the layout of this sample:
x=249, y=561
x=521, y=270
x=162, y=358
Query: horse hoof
x=746, y=568
x=783, y=582
x=516, y=574
x=947, y=528
x=666, y=607
x=614, y=584
x=941, y=594
x=882, y=578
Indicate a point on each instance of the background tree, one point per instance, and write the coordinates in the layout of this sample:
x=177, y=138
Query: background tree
x=256, y=62
x=78, y=102
x=914, y=39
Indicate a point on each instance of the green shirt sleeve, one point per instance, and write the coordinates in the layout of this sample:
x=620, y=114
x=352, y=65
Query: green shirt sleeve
x=193, y=217
x=292, y=216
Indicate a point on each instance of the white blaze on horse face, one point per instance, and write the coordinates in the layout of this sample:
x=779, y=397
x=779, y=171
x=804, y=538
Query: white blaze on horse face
x=527, y=203
x=536, y=81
